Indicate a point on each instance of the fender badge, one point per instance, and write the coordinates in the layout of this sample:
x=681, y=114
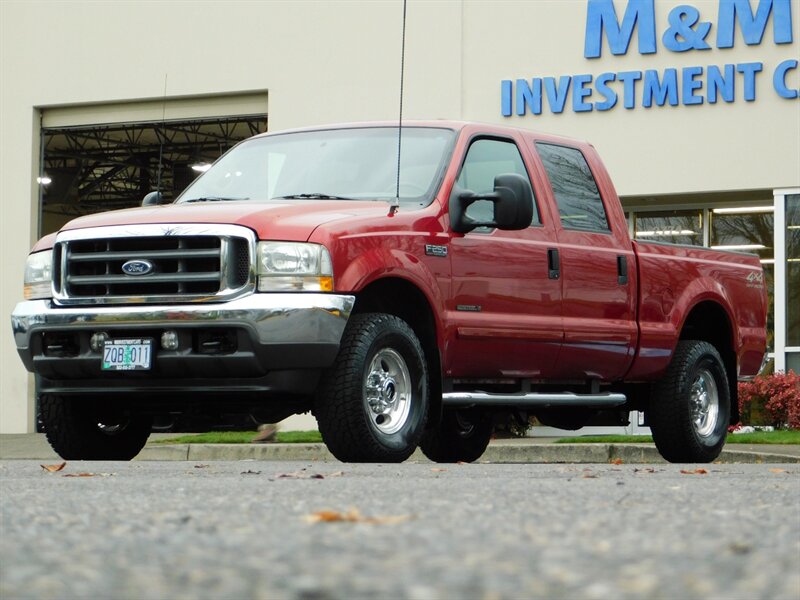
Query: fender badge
x=433, y=250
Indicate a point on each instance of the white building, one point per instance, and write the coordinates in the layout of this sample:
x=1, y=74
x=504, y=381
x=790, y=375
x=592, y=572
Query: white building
x=695, y=110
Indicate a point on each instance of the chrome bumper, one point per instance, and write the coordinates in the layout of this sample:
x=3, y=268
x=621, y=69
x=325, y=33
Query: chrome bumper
x=271, y=319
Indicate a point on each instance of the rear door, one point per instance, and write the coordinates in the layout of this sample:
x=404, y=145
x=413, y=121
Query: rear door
x=597, y=266
x=505, y=308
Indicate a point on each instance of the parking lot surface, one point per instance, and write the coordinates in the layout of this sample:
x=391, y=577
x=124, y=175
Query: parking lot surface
x=303, y=530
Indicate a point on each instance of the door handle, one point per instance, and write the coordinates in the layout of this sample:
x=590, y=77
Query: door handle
x=622, y=270
x=553, y=264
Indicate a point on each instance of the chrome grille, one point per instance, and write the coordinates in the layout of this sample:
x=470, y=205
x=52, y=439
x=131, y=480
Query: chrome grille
x=197, y=266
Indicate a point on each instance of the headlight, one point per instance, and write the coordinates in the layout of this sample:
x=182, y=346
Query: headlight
x=39, y=275
x=291, y=266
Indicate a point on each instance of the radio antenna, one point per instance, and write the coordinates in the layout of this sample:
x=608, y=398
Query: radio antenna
x=161, y=135
x=400, y=119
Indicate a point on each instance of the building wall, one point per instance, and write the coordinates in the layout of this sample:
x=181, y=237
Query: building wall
x=334, y=61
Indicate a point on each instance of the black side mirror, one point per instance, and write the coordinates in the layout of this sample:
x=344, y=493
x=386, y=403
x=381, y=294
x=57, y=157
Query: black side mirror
x=513, y=205
x=153, y=198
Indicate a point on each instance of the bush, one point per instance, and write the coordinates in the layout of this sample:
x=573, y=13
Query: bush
x=771, y=400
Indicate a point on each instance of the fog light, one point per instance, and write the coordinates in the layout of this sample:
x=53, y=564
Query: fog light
x=169, y=340
x=98, y=340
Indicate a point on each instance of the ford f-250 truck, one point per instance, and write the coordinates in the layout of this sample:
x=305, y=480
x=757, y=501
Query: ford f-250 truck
x=493, y=279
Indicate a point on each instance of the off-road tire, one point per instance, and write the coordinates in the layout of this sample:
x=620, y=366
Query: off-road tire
x=72, y=427
x=348, y=425
x=462, y=436
x=677, y=433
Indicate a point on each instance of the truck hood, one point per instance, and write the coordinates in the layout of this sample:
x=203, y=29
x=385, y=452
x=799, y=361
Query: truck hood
x=290, y=220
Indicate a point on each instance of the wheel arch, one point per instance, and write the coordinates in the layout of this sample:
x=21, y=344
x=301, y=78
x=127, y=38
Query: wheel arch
x=709, y=321
x=402, y=298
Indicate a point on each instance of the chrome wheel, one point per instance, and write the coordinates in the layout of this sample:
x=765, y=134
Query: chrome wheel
x=387, y=391
x=704, y=399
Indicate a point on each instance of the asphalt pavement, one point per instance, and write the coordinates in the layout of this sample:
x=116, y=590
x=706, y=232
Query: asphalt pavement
x=318, y=530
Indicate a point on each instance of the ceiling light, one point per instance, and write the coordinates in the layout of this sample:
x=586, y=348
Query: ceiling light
x=44, y=180
x=201, y=167
x=664, y=232
x=740, y=210
x=767, y=261
x=739, y=247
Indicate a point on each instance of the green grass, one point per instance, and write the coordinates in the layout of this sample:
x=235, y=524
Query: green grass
x=759, y=437
x=243, y=437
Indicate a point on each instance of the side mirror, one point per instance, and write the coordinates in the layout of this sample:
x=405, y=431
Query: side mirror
x=153, y=198
x=513, y=205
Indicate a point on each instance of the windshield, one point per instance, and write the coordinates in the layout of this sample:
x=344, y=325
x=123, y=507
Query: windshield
x=329, y=164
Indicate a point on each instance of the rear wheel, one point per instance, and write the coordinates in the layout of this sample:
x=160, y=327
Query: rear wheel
x=462, y=436
x=690, y=407
x=78, y=430
x=373, y=403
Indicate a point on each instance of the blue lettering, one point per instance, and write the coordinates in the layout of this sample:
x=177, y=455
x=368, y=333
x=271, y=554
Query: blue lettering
x=660, y=90
x=505, y=97
x=724, y=85
x=690, y=84
x=753, y=26
x=557, y=97
x=682, y=21
x=602, y=16
x=529, y=96
x=629, y=79
x=579, y=92
x=601, y=83
x=749, y=70
x=779, y=80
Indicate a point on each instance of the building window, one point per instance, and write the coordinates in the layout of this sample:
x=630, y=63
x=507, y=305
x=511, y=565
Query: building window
x=793, y=271
x=749, y=229
x=675, y=226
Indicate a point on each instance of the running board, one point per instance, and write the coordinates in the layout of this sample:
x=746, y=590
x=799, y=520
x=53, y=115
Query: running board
x=531, y=400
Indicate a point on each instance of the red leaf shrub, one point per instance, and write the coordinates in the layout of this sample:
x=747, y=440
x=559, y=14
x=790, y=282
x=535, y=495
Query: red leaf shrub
x=772, y=398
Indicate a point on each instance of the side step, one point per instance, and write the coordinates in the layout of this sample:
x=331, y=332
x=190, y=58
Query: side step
x=531, y=399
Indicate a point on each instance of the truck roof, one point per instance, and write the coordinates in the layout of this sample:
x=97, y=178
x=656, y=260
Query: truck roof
x=432, y=123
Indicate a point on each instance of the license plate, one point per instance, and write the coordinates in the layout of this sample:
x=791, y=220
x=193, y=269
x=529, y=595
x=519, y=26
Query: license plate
x=127, y=355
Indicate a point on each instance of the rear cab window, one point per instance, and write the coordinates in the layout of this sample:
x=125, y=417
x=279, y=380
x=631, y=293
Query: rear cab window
x=580, y=206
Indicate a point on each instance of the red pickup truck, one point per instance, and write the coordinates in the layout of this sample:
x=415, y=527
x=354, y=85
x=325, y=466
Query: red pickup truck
x=492, y=280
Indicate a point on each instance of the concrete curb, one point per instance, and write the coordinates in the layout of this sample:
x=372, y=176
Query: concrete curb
x=495, y=453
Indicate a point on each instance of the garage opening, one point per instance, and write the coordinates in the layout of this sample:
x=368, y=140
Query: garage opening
x=95, y=168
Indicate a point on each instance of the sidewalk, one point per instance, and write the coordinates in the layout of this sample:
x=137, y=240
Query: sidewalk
x=517, y=450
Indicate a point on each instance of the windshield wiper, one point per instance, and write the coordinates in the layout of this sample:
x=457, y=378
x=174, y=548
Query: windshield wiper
x=314, y=196
x=214, y=199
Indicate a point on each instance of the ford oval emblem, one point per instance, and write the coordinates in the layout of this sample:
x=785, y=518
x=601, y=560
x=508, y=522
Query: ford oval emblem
x=137, y=267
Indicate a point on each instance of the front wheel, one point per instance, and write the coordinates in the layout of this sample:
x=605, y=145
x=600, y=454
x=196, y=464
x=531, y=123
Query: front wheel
x=373, y=403
x=690, y=407
x=462, y=436
x=78, y=430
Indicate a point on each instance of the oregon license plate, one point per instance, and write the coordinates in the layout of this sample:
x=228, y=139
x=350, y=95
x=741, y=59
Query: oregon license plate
x=127, y=355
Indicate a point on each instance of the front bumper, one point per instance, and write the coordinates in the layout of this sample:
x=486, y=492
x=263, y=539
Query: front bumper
x=267, y=333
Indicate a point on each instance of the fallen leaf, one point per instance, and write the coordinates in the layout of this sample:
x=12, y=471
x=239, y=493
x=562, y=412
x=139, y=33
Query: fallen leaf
x=695, y=472
x=353, y=516
x=777, y=470
x=54, y=468
x=436, y=470
x=645, y=470
x=301, y=475
x=249, y=472
x=461, y=462
x=588, y=476
x=616, y=461
x=201, y=466
x=87, y=475
x=335, y=474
